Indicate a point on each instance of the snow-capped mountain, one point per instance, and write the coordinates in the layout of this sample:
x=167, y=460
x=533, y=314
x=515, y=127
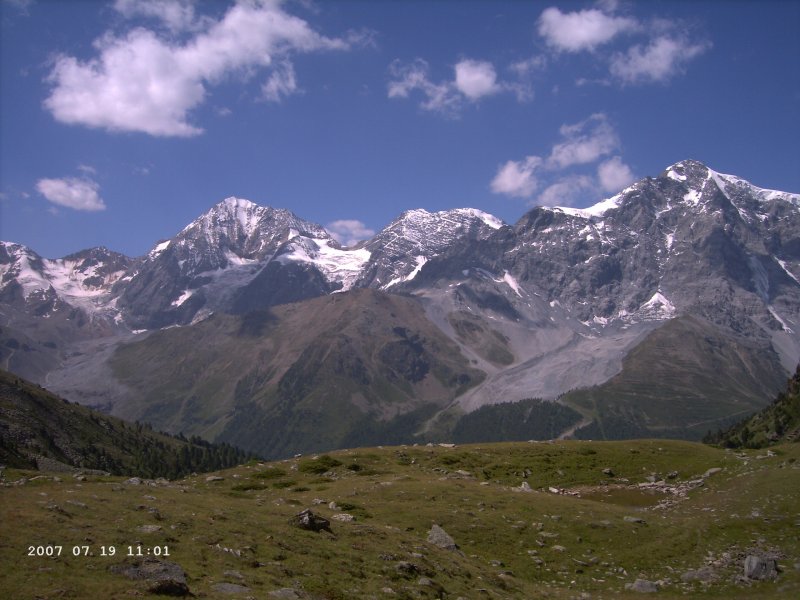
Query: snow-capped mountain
x=79, y=281
x=692, y=267
x=200, y=269
x=398, y=252
x=573, y=290
x=240, y=256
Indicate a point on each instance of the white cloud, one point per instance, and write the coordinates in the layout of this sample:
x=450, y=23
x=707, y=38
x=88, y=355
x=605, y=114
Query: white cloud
x=581, y=30
x=584, y=142
x=140, y=82
x=476, y=79
x=349, y=232
x=281, y=83
x=581, y=143
x=529, y=65
x=614, y=175
x=517, y=178
x=663, y=58
x=566, y=191
x=75, y=193
x=439, y=97
x=176, y=15
x=472, y=81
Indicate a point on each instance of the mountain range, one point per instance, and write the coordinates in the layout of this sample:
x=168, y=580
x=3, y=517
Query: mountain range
x=669, y=309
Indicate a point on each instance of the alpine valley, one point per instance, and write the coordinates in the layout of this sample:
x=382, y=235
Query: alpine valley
x=669, y=310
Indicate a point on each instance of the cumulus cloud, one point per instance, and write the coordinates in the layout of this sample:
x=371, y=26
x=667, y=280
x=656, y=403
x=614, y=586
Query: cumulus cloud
x=580, y=144
x=663, y=55
x=566, y=191
x=517, y=178
x=408, y=78
x=472, y=81
x=614, y=175
x=584, y=142
x=349, y=232
x=76, y=193
x=663, y=58
x=476, y=79
x=142, y=82
x=581, y=30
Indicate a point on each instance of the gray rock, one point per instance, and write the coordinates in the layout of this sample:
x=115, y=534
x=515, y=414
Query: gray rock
x=133, y=481
x=643, y=586
x=439, y=537
x=230, y=588
x=212, y=478
x=407, y=568
x=711, y=472
x=234, y=574
x=634, y=520
x=149, y=528
x=168, y=587
x=311, y=522
x=164, y=578
x=701, y=574
x=607, y=471
x=760, y=567
x=344, y=517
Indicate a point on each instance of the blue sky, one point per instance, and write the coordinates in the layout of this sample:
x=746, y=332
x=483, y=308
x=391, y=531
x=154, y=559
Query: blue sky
x=122, y=121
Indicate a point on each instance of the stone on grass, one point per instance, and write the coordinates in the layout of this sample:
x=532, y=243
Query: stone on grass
x=439, y=537
x=760, y=567
x=701, y=574
x=343, y=517
x=639, y=520
x=164, y=577
x=643, y=586
x=311, y=522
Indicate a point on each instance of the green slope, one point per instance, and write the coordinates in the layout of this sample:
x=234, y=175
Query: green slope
x=38, y=428
x=777, y=423
x=599, y=533
x=685, y=378
x=356, y=368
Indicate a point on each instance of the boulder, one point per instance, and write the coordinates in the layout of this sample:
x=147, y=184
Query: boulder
x=439, y=537
x=230, y=588
x=701, y=574
x=164, y=577
x=643, y=586
x=308, y=520
x=760, y=567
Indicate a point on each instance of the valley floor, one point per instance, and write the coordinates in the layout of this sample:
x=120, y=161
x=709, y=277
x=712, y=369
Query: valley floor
x=562, y=519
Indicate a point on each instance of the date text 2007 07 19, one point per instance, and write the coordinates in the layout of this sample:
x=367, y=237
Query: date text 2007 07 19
x=53, y=550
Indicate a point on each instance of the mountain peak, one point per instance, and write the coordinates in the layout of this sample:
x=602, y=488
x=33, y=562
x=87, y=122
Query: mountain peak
x=687, y=170
x=234, y=202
